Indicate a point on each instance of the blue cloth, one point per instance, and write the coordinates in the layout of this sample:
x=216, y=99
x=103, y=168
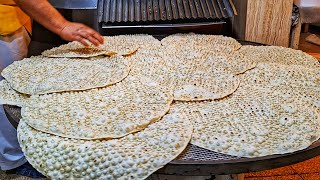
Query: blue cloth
x=11, y=155
x=13, y=47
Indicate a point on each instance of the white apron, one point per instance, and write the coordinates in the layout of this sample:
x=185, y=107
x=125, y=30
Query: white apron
x=13, y=47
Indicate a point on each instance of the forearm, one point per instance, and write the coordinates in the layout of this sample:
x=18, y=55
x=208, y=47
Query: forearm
x=42, y=12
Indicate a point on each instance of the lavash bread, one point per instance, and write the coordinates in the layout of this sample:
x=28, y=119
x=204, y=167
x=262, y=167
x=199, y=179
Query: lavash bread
x=110, y=112
x=135, y=156
x=10, y=96
x=40, y=75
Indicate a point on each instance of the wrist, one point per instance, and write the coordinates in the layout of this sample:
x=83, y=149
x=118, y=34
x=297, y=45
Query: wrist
x=60, y=27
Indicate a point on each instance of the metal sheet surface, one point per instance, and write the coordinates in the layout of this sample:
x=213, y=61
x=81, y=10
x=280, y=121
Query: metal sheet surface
x=74, y=4
x=163, y=11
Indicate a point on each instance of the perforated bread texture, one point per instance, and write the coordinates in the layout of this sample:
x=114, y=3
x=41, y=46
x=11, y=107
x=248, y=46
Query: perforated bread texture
x=280, y=55
x=212, y=43
x=74, y=50
x=10, y=96
x=188, y=80
x=252, y=122
x=109, y=112
x=135, y=156
x=128, y=44
x=276, y=74
x=38, y=75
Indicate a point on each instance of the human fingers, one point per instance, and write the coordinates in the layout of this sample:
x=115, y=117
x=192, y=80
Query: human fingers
x=89, y=37
x=95, y=34
x=98, y=37
x=82, y=33
x=81, y=40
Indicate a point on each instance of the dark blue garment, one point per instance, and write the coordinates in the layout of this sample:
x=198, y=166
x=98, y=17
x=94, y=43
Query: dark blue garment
x=26, y=170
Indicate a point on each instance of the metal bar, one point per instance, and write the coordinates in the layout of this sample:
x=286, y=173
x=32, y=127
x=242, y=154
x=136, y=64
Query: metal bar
x=210, y=9
x=163, y=13
x=143, y=5
x=131, y=10
x=228, y=6
x=234, y=10
x=119, y=10
x=198, y=8
x=169, y=9
x=125, y=10
x=193, y=9
x=175, y=12
x=100, y=10
x=216, y=8
x=156, y=10
x=205, y=10
x=164, y=25
x=106, y=11
x=222, y=8
x=149, y=10
x=113, y=10
x=186, y=9
x=137, y=10
x=181, y=9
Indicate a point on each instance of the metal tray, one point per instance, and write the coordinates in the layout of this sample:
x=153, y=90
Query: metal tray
x=197, y=161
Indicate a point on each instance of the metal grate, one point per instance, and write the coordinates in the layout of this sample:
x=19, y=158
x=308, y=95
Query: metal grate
x=195, y=153
x=163, y=11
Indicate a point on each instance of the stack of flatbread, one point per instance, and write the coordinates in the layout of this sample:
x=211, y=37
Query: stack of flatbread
x=127, y=108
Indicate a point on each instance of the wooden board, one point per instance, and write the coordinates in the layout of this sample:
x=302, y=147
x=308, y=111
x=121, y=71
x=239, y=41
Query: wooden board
x=264, y=21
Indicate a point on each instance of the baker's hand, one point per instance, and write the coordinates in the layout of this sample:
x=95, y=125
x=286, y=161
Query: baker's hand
x=79, y=32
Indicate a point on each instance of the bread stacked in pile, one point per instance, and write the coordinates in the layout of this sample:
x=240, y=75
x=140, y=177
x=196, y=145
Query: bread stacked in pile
x=127, y=108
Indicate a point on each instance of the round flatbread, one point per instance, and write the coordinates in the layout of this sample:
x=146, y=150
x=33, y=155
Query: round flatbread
x=237, y=63
x=289, y=81
x=10, y=96
x=127, y=45
x=280, y=55
x=135, y=156
x=311, y=96
x=110, y=112
x=188, y=80
x=252, y=122
x=38, y=75
x=76, y=50
x=211, y=43
x=204, y=85
x=124, y=45
x=273, y=74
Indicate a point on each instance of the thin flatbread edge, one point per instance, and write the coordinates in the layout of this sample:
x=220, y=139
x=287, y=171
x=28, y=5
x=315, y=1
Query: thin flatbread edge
x=19, y=100
x=182, y=147
x=23, y=90
x=109, y=137
x=287, y=152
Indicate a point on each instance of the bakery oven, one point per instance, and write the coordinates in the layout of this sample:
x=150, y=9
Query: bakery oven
x=156, y=17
